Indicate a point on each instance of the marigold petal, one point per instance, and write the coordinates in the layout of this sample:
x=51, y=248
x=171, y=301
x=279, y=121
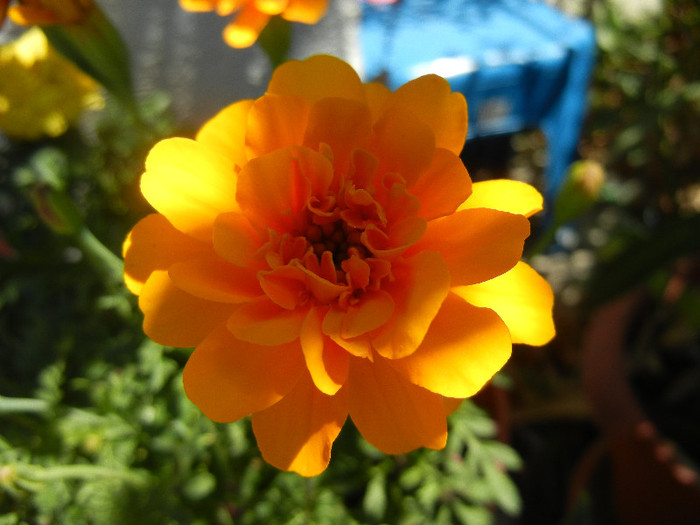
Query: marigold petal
x=226, y=132
x=235, y=239
x=403, y=144
x=391, y=413
x=372, y=310
x=463, y=349
x=212, y=278
x=262, y=322
x=317, y=77
x=275, y=122
x=298, y=432
x=431, y=99
x=326, y=361
x=342, y=124
x=332, y=327
x=443, y=186
x=246, y=27
x=419, y=288
x=522, y=298
x=271, y=7
x=189, y=184
x=477, y=244
x=285, y=286
x=229, y=379
x=272, y=191
x=154, y=244
x=305, y=11
x=506, y=195
x=377, y=95
x=172, y=317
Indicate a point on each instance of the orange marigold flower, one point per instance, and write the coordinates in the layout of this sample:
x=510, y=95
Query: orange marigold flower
x=252, y=15
x=326, y=252
x=49, y=12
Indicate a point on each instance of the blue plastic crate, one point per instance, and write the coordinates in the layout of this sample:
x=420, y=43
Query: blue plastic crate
x=520, y=64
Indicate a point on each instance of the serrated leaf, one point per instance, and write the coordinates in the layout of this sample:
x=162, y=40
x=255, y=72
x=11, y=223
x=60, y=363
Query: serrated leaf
x=504, y=491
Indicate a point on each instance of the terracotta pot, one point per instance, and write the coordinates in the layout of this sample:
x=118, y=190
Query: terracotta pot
x=651, y=485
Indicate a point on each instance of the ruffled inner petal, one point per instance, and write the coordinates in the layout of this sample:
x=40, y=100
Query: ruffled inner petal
x=522, y=298
x=214, y=279
x=298, y=432
x=419, y=288
x=326, y=361
x=229, y=379
x=391, y=413
x=263, y=322
x=463, y=349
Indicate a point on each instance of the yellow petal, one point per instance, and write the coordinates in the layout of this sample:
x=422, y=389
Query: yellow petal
x=154, y=244
x=226, y=132
x=463, y=349
x=419, y=288
x=172, y=317
x=212, y=278
x=506, y=195
x=477, y=244
x=391, y=413
x=275, y=122
x=229, y=379
x=403, y=144
x=189, y=184
x=262, y=322
x=326, y=361
x=246, y=27
x=342, y=124
x=235, y=239
x=298, y=432
x=305, y=11
x=317, y=77
x=443, y=187
x=273, y=192
x=522, y=298
x=430, y=99
x=271, y=7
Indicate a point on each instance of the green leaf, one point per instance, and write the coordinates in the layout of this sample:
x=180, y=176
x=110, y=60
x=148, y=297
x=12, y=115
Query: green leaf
x=375, y=500
x=200, y=486
x=275, y=40
x=503, y=489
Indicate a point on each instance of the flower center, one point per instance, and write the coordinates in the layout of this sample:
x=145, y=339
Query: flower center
x=338, y=238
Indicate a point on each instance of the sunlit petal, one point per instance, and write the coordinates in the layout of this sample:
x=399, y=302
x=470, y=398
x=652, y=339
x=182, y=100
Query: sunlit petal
x=262, y=322
x=172, y=317
x=297, y=433
x=229, y=379
x=522, y=298
x=226, y=132
x=212, y=278
x=390, y=412
x=327, y=362
x=463, y=349
x=505, y=195
x=189, y=184
x=443, y=186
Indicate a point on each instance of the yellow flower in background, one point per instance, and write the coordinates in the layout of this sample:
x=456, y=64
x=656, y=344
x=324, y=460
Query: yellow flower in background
x=49, y=12
x=251, y=16
x=326, y=253
x=41, y=93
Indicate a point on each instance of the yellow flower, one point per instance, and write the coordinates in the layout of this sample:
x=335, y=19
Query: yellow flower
x=41, y=93
x=252, y=15
x=49, y=12
x=327, y=254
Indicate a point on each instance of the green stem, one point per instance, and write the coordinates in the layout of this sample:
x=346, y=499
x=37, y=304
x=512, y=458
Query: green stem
x=86, y=472
x=14, y=405
x=102, y=258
